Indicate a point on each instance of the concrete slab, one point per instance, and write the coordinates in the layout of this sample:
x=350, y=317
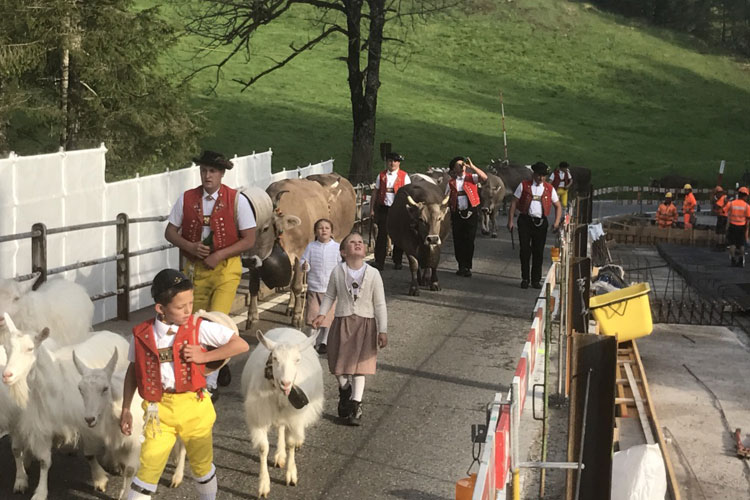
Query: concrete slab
x=700, y=392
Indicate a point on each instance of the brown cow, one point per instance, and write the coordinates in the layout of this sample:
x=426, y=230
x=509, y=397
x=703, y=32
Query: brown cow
x=491, y=195
x=417, y=222
x=282, y=236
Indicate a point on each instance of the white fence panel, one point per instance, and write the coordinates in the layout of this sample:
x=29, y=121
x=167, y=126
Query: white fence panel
x=68, y=188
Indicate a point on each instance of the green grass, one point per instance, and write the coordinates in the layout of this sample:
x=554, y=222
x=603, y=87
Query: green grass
x=628, y=101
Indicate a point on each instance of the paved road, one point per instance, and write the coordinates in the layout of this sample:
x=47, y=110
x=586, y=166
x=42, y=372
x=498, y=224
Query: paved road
x=449, y=352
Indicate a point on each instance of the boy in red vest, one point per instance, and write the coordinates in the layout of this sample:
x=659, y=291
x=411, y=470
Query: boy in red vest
x=561, y=180
x=534, y=200
x=212, y=225
x=463, y=202
x=167, y=362
x=387, y=184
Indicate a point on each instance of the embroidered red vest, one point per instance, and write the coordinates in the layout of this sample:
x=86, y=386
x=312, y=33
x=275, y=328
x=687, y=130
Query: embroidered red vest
x=526, y=198
x=471, y=190
x=221, y=220
x=400, y=179
x=558, y=176
x=188, y=376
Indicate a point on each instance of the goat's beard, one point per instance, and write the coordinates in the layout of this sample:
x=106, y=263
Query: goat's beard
x=20, y=392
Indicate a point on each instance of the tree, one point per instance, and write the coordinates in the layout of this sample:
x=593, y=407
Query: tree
x=76, y=73
x=227, y=23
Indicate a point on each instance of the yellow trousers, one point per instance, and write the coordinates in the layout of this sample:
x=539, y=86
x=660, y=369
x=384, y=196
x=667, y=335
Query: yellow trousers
x=181, y=415
x=562, y=193
x=214, y=289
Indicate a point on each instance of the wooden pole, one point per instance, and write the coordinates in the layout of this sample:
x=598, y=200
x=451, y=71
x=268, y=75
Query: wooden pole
x=505, y=136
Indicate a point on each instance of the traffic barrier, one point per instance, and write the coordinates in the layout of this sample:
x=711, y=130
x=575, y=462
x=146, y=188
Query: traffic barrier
x=495, y=467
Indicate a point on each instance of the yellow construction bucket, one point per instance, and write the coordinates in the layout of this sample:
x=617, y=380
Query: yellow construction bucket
x=625, y=313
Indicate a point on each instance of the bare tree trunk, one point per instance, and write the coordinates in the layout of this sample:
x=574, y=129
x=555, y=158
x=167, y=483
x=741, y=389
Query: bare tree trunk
x=64, y=86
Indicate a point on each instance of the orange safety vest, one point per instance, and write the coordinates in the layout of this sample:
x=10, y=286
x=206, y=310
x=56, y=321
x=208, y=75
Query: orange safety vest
x=666, y=215
x=188, y=377
x=720, y=205
x=689, y=204
x=738, y=212
x=400, y=179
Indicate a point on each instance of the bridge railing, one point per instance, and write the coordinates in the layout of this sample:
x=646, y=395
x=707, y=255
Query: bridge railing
x=633, y=195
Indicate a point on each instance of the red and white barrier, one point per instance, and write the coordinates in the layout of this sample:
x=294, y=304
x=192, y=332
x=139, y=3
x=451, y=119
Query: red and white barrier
x=495, y=462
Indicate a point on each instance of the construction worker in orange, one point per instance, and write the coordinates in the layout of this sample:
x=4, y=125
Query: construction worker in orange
x=738, y=212
x=666, y=214
x=688, y=207
x=719, y=206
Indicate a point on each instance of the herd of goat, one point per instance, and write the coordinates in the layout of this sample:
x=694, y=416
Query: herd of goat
x=62, y=386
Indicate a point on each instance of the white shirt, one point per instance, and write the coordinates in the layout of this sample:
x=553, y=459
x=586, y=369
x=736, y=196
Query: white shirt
x=390, y=180
x=354, y=276
x=535, y=207
x=245, y=217
x=210, y=334
x=463, y=201
x=321, y=259
x=566, y=180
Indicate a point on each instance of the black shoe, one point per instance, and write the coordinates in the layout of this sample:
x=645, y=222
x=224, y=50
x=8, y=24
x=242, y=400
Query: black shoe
x=345, y=401
x=525, y=284
x=397, y=266
x=536, y=285
x=461, y=271
x=225, y=376
x=355, y=418
x=322, y=349
x=377, y=266
x=467, y=273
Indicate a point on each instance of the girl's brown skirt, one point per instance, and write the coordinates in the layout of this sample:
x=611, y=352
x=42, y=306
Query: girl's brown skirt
x=313, y=300
x=353, y=345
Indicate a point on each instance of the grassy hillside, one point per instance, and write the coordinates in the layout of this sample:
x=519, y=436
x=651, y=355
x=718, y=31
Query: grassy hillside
x=628, y=101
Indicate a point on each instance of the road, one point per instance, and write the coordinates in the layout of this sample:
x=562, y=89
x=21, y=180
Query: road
x=449, y=352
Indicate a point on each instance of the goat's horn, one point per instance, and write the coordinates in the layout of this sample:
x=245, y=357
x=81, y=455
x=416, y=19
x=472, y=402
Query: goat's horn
x=411, y=201
x=445, y=200
x=9, y=322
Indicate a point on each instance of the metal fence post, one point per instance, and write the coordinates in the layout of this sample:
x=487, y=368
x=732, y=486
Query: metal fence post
x=123, y=267
x=39, y=252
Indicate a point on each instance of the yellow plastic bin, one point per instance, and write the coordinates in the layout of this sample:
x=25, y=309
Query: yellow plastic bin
x=625, y=313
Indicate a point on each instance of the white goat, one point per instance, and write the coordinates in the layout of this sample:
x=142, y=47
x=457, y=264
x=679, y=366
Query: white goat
x=101, y=390
x=42, y=382
x=10, y=417
x=294, y=363
x=60, y=305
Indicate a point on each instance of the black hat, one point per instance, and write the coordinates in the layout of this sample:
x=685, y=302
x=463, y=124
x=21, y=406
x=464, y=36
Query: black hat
x=394, y=156
x=540, y=168
x=213, y=159
x=563, y=164
x=169, y=278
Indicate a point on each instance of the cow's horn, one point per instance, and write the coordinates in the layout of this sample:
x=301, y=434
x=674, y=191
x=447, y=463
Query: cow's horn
x=411, y=201
x=335, y=185
x=278, y=197
x=445, y=200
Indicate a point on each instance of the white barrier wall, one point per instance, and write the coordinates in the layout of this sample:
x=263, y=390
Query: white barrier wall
x=68, y=188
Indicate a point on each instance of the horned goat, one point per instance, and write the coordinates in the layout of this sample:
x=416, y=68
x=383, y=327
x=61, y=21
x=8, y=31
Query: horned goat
x=60, y=305
x=10, y=417
x=42, y=382
x=294, y=366
x=101, y=390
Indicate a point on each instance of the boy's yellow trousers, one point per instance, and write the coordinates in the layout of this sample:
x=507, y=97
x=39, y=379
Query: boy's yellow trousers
x=183, y=415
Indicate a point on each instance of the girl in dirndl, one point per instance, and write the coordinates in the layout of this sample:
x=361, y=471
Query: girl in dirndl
x=359, y=325
x=319, y=259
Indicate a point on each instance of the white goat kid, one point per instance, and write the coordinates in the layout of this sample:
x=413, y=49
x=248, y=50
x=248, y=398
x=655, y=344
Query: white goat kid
x=101, y=390
x=42, y=383
x=60, y=305
x=293, y=365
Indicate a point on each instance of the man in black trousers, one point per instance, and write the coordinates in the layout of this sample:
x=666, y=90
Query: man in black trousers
x=534, y=200
x=387, y=184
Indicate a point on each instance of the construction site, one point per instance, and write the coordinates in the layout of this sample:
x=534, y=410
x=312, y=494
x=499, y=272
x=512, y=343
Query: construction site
x=629, y=385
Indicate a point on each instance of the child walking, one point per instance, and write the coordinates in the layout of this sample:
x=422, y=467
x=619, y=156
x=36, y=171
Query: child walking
x=359, y=326
x=167, y=361
x=320, y=259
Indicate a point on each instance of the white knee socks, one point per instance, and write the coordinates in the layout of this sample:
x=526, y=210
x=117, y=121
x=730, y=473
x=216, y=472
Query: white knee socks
x=358, y=387
x=323, y=337
x=344, y=380
x=207, y=491
x=136, y=495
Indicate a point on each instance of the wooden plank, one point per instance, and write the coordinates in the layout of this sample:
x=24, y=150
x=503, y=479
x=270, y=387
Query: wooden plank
x=642, y=415
x=621, y=393
x=674, y=488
